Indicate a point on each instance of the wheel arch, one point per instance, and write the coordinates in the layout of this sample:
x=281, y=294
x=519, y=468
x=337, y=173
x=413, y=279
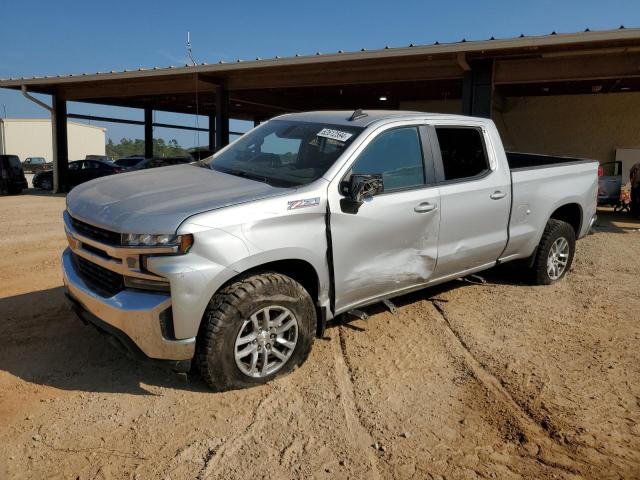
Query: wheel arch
x=570, y=213
x=300, y=270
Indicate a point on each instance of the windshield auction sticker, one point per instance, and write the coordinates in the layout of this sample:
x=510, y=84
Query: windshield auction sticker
x=335, y=134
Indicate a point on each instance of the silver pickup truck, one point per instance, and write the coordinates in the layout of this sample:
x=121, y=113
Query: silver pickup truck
x=238, y=261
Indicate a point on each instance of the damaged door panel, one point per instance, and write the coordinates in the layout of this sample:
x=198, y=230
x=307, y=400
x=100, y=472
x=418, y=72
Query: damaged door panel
x=389, y=243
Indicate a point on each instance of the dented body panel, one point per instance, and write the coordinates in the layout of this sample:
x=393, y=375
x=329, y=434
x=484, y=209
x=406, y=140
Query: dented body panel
x=394, y=242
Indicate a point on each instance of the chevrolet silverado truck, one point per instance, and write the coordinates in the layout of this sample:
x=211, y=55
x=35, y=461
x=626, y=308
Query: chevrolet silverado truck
x=238, y=261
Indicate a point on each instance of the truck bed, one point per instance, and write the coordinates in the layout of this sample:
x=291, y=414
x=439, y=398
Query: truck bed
x=520, y=161
x=540, y=184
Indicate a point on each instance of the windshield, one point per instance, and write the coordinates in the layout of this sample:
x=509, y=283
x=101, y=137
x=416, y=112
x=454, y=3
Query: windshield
x=285, y=153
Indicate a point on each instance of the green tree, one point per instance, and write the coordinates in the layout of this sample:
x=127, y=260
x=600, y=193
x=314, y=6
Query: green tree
x=128, y=147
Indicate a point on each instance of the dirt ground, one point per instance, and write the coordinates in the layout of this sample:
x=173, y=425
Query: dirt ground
x=497, y=380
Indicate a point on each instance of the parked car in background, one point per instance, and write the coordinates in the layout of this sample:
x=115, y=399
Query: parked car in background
x=35, y=164
x=12, y=179
x=609, y=183
x=129, y=163
x=106, y=158
x=238, y=261
x=141, y=163
x=80, y=171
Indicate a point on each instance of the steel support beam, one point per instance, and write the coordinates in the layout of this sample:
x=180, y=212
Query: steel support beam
x=148, y=133
x=477, y=88
x=60, y=143
x=212, y=132
x=222, y=117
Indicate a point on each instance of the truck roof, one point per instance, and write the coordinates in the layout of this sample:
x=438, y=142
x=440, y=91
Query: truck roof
x=342, y=117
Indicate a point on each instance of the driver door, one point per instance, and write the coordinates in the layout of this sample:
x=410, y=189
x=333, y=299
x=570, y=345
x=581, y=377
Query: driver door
x=389, y=244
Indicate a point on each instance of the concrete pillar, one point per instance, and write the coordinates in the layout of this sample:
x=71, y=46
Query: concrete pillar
x=148, y=133
x=60, y=143
x=477, y=88
x=222, y=117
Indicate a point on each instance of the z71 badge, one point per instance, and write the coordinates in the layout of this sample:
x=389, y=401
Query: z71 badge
x=305, y=202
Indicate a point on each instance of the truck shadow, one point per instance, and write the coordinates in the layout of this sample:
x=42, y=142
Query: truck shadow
x=43, y=342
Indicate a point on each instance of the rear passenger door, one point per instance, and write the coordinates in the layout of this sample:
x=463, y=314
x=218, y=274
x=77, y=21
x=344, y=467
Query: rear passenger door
x=475, y=198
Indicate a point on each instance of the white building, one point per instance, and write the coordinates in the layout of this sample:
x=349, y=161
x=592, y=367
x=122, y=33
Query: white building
x=31, y=137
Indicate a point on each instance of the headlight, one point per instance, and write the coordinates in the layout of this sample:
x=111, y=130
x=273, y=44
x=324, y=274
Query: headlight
x=184, y=242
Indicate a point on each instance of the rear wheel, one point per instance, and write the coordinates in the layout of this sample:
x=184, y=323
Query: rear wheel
x=46, y=184
x=554, y=255
x=254, y=330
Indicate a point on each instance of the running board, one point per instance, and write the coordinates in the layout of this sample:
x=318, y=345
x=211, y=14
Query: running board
x=359, y=314
x=390, y=305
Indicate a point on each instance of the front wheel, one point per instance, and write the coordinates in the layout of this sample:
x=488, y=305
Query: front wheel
x=253, y=330
x=554, y=255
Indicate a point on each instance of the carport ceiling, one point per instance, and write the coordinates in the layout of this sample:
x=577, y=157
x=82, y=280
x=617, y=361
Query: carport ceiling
x=267, y=102
x=587, y=62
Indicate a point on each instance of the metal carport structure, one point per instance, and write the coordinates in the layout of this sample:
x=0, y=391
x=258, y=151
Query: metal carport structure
x=477, y=74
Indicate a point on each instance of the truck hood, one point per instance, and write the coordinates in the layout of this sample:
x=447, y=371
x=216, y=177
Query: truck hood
x=158, y=200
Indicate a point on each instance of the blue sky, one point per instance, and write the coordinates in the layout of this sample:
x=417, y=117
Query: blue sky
x=59, y=37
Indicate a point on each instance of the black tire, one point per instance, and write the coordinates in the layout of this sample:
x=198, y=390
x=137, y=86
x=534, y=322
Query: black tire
x=554, y=230
x=46, y=184
x=225, y=316
x=14, y=190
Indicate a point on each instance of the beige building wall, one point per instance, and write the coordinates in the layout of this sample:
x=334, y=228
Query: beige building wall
x=32, y=138
x=590, y=126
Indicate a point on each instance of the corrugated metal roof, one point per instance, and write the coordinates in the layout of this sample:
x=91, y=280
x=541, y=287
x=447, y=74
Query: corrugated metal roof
x=437, y=48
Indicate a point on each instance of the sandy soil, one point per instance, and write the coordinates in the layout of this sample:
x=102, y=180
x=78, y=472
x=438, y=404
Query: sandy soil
x=498, y=380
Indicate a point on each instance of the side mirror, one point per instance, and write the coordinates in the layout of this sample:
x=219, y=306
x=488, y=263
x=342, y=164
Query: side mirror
x=360, y=186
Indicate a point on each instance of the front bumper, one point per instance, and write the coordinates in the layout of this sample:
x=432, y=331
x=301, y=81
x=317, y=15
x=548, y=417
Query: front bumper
x=133, y=313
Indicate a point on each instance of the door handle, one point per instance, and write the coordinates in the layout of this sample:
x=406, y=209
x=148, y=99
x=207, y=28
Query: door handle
x=425, y=207
x=497, y=195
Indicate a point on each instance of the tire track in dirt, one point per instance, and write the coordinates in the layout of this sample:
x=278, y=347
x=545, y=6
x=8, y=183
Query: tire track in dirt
x=360, y=436
x=214, y=458
x=550, y=453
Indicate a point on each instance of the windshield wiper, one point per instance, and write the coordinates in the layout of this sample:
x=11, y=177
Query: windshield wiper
x=243, y=174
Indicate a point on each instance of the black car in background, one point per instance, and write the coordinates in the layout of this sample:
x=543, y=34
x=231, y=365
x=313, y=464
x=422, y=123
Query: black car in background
x=80, y=171
x=12, y=179
x=141, y=163
x=129, y=163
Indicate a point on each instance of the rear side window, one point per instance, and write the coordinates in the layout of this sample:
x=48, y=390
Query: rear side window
x=14, y=162
x=397, y=155
x=463, y=152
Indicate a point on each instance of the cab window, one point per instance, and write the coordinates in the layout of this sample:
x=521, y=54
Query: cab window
x=463, y=152
x=397, y=155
